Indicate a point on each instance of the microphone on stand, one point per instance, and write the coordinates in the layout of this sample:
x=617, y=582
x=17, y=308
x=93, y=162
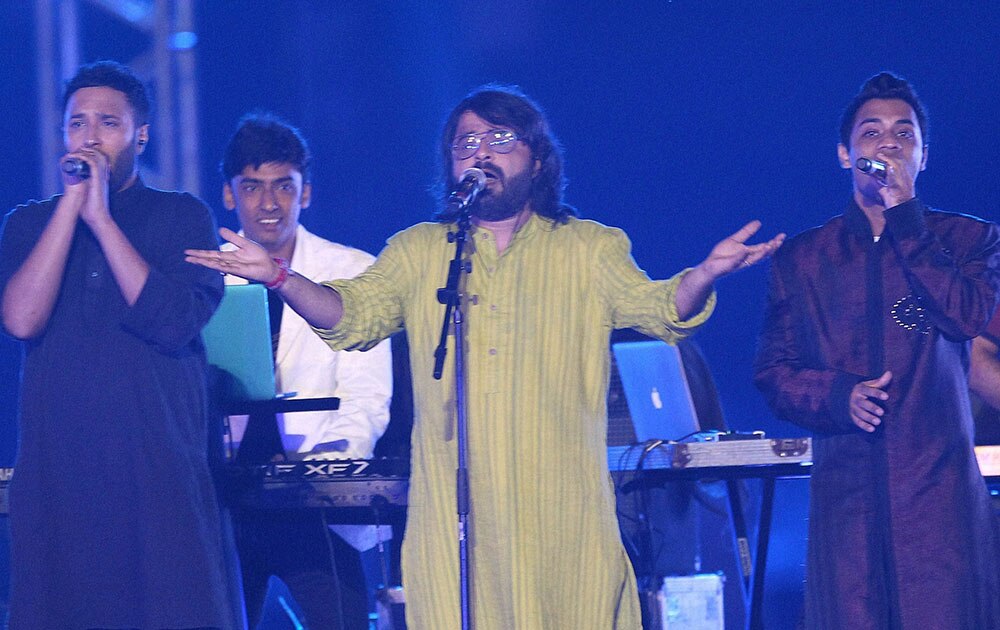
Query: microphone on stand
x=469, y=186
x=871, y=167
x=76, y=167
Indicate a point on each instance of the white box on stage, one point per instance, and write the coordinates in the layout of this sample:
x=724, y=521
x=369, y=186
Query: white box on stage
x=692, y=602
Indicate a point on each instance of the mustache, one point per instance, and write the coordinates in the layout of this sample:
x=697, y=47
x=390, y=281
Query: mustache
x=491, y=169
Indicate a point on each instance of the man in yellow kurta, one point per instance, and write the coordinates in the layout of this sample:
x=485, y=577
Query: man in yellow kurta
x=544, y=293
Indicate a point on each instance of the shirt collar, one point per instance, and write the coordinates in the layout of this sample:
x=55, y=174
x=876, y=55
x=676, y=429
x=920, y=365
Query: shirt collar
x=857, y=221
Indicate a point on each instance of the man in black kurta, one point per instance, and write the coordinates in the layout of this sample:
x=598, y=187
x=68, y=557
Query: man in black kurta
x=866, y=344
x=114, y=519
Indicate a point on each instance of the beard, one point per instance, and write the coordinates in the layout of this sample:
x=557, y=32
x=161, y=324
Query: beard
x=122, y=167
x=514, y=197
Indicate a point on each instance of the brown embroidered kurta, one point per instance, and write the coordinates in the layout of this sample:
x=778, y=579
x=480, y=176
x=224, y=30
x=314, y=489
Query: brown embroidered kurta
x=900, y=533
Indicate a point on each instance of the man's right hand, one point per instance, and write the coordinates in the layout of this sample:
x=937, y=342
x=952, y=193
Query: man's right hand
x=89, y=195
x=899, y=184
x=318, y=304
x=864, y=402
x=249, y=260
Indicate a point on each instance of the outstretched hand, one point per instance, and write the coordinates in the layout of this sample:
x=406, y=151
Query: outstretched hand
x=728, y=255
x=732, y=253
x=249, y=260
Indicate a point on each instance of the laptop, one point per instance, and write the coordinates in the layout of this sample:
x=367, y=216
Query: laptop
x=238, y=345
x=656, y=390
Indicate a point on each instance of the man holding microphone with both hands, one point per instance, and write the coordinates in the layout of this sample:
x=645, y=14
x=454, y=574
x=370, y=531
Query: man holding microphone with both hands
x=113, y=514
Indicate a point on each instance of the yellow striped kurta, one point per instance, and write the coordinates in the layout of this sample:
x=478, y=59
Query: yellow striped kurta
x=544, y=541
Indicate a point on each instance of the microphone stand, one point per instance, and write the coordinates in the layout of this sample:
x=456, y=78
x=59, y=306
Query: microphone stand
x=451, y=298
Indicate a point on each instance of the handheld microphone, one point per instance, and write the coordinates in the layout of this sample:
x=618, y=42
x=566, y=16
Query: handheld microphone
x=871, y=167
x=472, y=182
x=76, y=167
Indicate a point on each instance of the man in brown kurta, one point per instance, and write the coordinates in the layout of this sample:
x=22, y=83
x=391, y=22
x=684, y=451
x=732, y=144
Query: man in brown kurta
x=866, y=344
x=984, y=380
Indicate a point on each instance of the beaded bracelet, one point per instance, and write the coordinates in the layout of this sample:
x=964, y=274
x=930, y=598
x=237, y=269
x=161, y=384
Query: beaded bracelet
x=282, y=277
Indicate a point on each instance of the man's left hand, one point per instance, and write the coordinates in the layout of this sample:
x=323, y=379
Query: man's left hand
x=732, y=253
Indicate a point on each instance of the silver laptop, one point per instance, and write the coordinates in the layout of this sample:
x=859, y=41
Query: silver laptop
x=656, y=390
x=238, y=344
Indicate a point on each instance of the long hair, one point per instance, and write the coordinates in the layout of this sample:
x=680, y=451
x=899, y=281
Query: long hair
x=884, y=85
x=507, y=106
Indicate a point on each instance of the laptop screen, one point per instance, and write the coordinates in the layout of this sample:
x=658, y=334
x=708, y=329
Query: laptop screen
x=238, y=345
x=656, y=390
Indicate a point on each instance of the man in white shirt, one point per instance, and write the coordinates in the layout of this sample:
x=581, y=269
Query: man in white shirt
x=266, y=173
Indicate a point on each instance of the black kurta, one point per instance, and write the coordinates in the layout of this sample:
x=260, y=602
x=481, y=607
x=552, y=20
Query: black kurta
x=900, y=531
x=114, y=518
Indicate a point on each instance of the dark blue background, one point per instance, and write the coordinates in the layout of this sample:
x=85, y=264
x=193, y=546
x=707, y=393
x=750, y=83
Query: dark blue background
x=681, y=121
